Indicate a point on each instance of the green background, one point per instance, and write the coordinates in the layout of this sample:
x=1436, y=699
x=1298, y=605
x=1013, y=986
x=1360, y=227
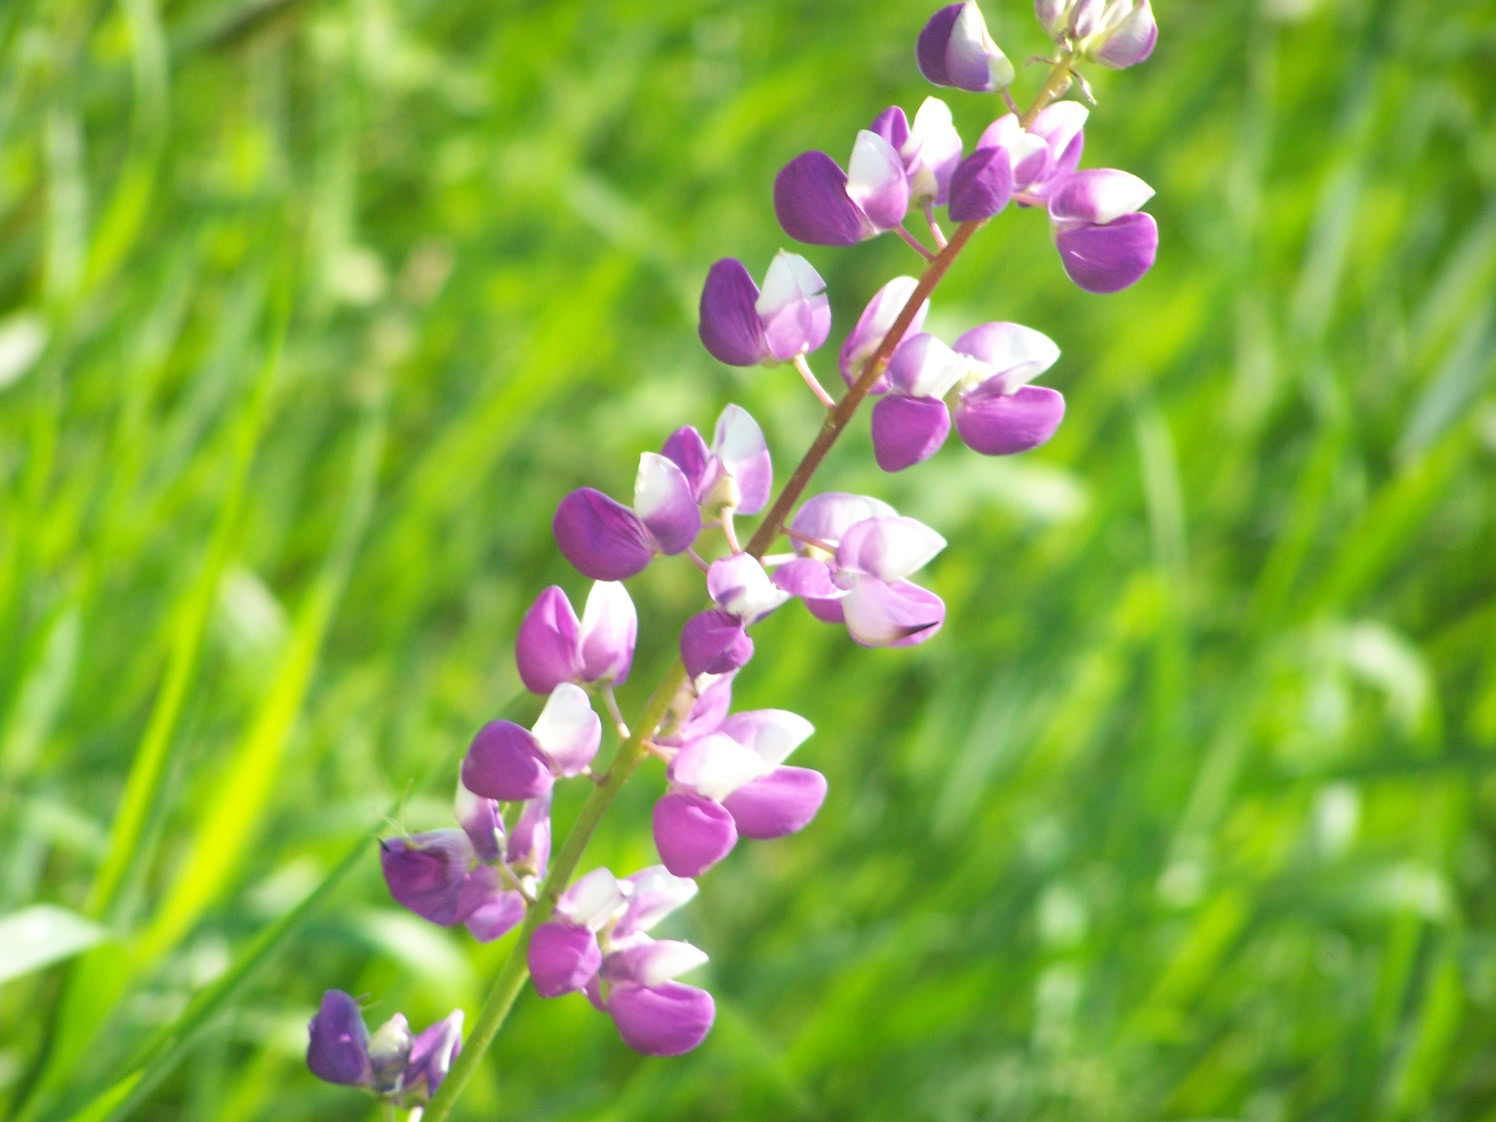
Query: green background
x=311, y=312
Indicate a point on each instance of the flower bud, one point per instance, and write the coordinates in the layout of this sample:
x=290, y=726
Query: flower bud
x=955, y=49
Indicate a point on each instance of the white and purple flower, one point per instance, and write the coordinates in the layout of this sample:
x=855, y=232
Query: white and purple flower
x=508, y=762
x=818, y=203
x=390, y=1063
x=955, y=49
x=553, y=646
x=743, y=326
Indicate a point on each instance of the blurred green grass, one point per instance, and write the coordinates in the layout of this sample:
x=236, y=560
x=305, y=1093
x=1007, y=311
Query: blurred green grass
x=311, y=312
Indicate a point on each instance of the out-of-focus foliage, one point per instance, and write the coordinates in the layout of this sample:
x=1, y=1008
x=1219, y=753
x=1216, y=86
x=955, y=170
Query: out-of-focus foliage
x=310, y=312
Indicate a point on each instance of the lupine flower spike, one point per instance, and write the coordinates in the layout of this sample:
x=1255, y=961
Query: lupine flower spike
x=850, y=559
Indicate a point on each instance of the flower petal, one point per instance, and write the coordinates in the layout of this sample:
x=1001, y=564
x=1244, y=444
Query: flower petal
x=888, y=548
x=661, y=1021
x=652, y=962
x=563, y=957
x=656, y=893
x=692, y=832
x=932, y=152
x=923, y=366
x=812, y=205
x=428, y=872
x=714, y=642
x=568, y=731
x=779, y=803
x=529, y=847
x=496, y=917
x=609, y=630
x=595, y=898
x=688, y=451
x=771, y=734
x=1109, y=258
x=506, y=762
x=981, y=186
x=1098, y=196
x=665, y=503
x=897, y=614
x=1005, y=424
x=739, y=444
x=1015, y=354
x=338, y=1042
x=892, y=126
x=1062, y=128
x=715, y=766
x=807, y=577
x=826, y=517
x=545, y=648
x=876, y=321
x=740, y=587
x=876, y=182
x=793, y=306
x=729, y=325
x=431, y=1055
x=481, y=821
x=907, y=430
x=602, y=538
x=713, y=699
x=930, y=48
x=972, y=60
x=1131, y=41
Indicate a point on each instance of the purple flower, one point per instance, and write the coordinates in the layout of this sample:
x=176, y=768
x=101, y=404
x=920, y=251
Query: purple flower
x=930, y=148
x=598, y=943
x=997, y=411
x=877, y=321
x=1105, y=242
x=716, y=641
x=437, y=875
x=954, y=49
x=734, y=475
x=742, y=326
x=554, y=647
x=733, y=782
x=855, y=573
x=508, y=762
x=711, y=697
x=1044, y=154
x=389, y=1063
x=1115, y=33
x=818, y=203
x=607, y=541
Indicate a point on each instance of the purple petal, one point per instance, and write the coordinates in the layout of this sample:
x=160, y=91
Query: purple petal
x=973, y=61
x=981, y=185
x=546, y=646
x=1131, y=41
x=929, y=50
x=432, y=1053
x=496, y=917
x=688, y=451
x=730, y=327
x=1062, y=128
x=337, y=1048
x=907, y=430
x=1109, y=258
x=609, y=630
x=740, y=587
x=1000, y=424
x=604, y=539
x=932, y=153
x=664, y=1021
x=793, y=307
x=738, y=443
x=897, y=614
x=780, y=803
x=826, y=517
x=692, y=833
x=480, y=820
x=656, y=893
x=877, y=321
x=567, y=731
x=665, y=503
x=714, y=642
x=507, y=763
x=892, y=126
x=529, y=847
x=563, y=958
x=1097, y=196
x=428, y=873
x=1015, y=354
x=812, y=205
x=876, y=181
x=923, y=366
x=807, y=577
x=888, y=548
x=827, y=611
x=713, y=699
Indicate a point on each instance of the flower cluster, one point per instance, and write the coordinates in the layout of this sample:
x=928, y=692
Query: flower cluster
x=847, y=558
x=391, y=1063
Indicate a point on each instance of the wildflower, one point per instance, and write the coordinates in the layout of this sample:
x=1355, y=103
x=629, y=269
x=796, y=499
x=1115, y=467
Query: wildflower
x=389, y=1063
x=817, y=202
x=1115, y=33
x=598, y=943
x=954, y=49
x=716, y=641
x=877, y=321
x=930, y=148
x=508, y=762
x=854, y=572
x=554, y=647
x=1043, y=154
x=997, y=412
x=1106, y=243
x=731, y=782
x=607, y=541
x=733, y=475
x=743, y=326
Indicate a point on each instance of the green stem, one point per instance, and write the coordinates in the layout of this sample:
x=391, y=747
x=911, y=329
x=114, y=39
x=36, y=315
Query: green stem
x=512, y=975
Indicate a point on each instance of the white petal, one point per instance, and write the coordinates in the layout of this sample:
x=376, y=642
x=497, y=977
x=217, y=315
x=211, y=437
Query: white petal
x=568, y=730
x=716, y=766
x=772, y=733
x=594, y=899
x=790, y=279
